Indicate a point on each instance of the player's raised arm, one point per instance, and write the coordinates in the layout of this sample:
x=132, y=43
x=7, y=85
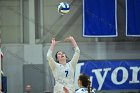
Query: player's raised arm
x=76, y=49
x=49, y=54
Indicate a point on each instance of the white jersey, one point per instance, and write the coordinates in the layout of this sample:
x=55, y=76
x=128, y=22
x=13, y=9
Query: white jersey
x=83, y=90
x=64, y=75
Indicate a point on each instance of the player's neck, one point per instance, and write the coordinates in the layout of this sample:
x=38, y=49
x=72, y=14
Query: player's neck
x=80, y=85
x=63, y=63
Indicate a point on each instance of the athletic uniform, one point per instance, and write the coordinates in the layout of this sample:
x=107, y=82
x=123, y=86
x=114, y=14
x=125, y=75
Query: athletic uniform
x=64, y=75
x=83, y=90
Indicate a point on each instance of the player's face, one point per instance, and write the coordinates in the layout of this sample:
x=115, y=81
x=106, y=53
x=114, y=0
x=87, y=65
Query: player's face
x=79, y=83
x=61, y=56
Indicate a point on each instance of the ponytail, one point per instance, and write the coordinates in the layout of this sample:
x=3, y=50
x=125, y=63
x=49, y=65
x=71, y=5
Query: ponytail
x=88, y=86
x=85, y=81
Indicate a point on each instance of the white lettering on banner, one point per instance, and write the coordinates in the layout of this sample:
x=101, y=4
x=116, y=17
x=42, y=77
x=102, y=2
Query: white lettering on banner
x=135, y=71
x=115, y=73
x=99, y=77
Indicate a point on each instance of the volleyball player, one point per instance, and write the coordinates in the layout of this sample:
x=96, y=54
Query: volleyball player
x=63, y=71
x=84, y=84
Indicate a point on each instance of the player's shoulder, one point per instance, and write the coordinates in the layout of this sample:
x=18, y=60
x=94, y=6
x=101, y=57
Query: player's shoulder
x=81, y=90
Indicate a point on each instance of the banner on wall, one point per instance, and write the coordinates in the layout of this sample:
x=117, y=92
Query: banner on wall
x=100, y=18
x=112, y=74
x=132, y=18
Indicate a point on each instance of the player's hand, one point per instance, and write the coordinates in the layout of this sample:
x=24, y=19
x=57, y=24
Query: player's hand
x=54, y=42
x=70, y=38
x=65, y=90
